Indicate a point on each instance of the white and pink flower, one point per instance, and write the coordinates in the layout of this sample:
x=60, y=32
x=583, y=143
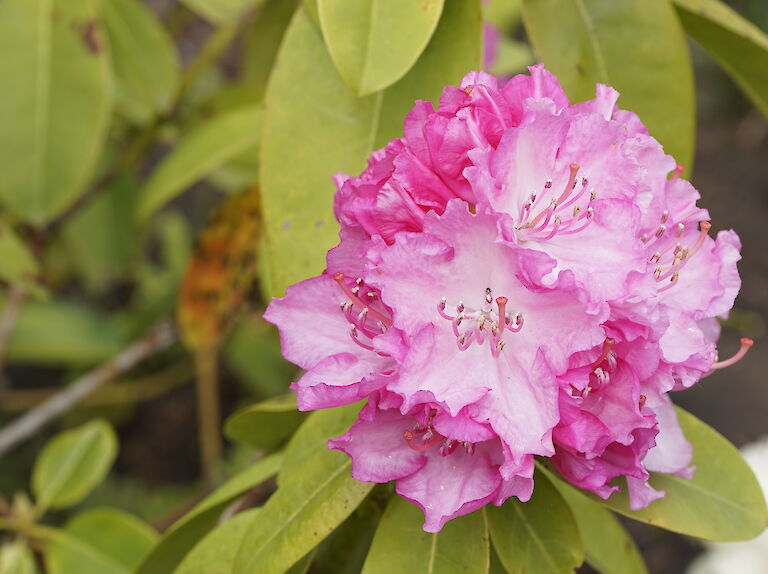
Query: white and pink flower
x=516, y=277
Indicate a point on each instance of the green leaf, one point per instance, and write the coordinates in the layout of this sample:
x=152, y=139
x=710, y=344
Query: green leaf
x=54, y=118
x=216, y=552
x=101, y=237
x=199, y=153
x=345, y=550
x=374, y=43
x=252, y=351
x=321, y=125
x=608, y=546
x=143, y=57
x=313, y=11
x=503, y=14
x=312, y=437
x=73, y=463
x=17, y=558
x=461, y=547
x=537, y=536
x=739, y=46
x=194, y=525
x=722, y=502
x=511, y=57
x=262, y=43
x=265, y=425
x=103, y=540
x=303, y=511
x=61, y=333
x=637, y=47
x=221, y=11
x=17, y=265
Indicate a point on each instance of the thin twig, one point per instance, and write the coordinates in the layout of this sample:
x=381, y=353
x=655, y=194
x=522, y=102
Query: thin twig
x=28, y=424
x=16, y=297
x=118, y=392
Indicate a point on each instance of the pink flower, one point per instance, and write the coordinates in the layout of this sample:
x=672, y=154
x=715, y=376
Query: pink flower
x=515, y=277
x=448, y=466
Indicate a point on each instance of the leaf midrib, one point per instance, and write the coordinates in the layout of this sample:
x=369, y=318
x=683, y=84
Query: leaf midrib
x=296, y=512
x=592, y=36
x=535, y=536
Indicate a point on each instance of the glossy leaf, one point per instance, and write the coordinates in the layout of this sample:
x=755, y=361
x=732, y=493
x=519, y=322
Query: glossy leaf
x=637, y=47
x=723, y=502
x=143, y=58
x=103, y=540
x=61, y=333
x=303, y=511
x=312, y=437
x=345, y=550
x=321, y=125
x=17, y=558
x=221, y=272
x=461, y=547
x=208, y=146
x=265, y=425
x=217, y=551
x=196, y=524
x=262, y=43
x=539, y=536
x=607, y=545
x=739, y=46
x=17, y=265
x=55, y=110
x=313, y=11
x=221, y=11
x=374, y=43
x=72, y=464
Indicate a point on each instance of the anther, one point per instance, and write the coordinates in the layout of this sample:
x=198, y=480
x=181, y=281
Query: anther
x=746, y=344
x=354, y=299
x=488, y=295
x=547, y=184
x=576, y=211
x=680, y=229
x=661, y=231
x=664, y=216
x=641, y=402
x=359, y=280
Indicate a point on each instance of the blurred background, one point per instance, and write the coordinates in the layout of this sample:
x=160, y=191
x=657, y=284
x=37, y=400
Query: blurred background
x=96, y=276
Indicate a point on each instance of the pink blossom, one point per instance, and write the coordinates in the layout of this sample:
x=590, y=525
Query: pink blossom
x=516, y=276
x=448, y=466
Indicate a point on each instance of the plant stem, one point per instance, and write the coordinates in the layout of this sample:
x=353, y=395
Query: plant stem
x=208, y=413
x=30, y=423
x=114, y=393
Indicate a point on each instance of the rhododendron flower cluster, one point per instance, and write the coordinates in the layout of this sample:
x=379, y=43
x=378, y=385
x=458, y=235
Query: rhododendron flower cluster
x=516, y=277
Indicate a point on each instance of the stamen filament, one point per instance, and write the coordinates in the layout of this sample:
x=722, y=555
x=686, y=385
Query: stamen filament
x=339, y=278
x=746, y=344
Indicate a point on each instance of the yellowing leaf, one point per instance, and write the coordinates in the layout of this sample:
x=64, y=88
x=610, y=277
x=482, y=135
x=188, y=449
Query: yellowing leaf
x=221, y=272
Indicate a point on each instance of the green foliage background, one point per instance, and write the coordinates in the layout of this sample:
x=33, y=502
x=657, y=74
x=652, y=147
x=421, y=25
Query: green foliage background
x=125, y=123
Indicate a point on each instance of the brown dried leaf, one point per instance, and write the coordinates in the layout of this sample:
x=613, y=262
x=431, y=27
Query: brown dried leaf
x=221, y=272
